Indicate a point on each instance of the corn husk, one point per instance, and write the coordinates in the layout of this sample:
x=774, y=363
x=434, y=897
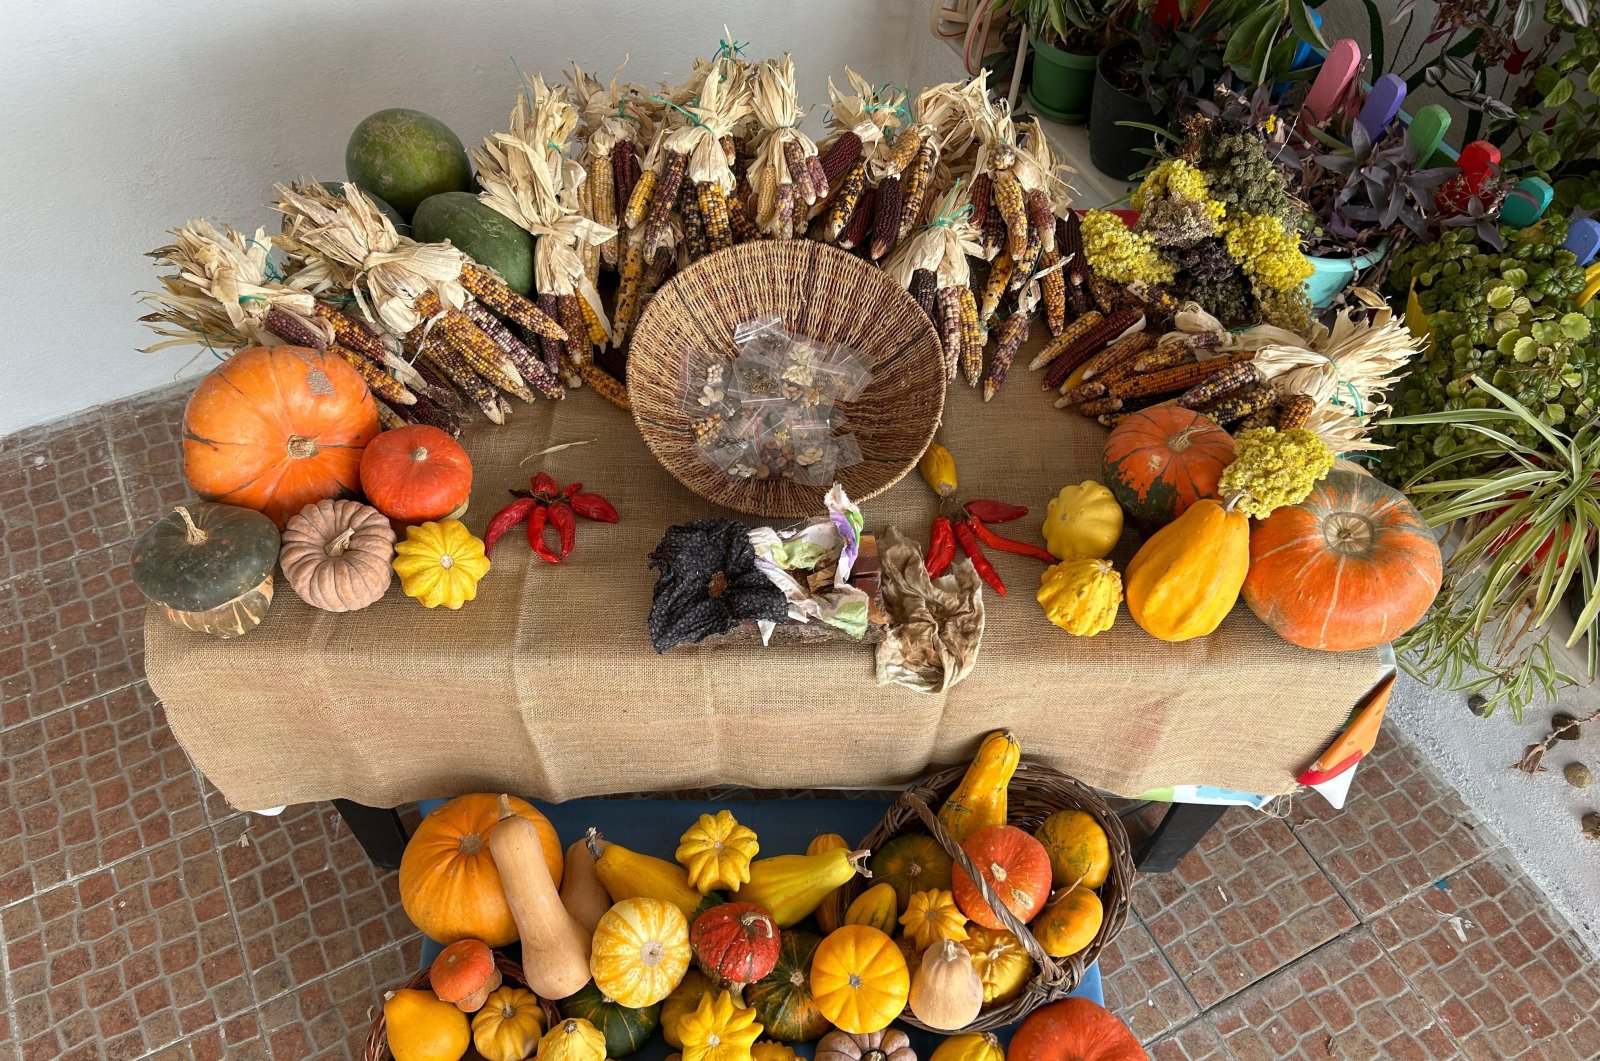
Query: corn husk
x=942, y=245
x=610, y=113
x=774, y=104
x=869, y=112
x=1037, y=166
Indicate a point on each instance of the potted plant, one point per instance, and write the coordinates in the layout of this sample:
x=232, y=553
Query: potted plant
x=1066, y=36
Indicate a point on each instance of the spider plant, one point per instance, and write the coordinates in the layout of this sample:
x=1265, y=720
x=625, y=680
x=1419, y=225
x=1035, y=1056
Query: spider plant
x=1527, y=534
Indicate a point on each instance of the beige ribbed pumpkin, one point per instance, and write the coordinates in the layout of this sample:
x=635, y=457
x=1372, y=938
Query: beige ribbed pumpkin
x=336, y=555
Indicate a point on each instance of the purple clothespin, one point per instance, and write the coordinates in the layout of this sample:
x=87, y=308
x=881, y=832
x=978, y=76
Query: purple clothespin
x=1338, y=70
x=1383, y=103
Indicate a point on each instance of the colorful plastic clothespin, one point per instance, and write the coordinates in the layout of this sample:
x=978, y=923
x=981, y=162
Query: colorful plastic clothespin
x=1383, y=103
x=1583, y=239
x=1427, y=131
x=1474, y=167
x=1338, y=70
x=1527, y=202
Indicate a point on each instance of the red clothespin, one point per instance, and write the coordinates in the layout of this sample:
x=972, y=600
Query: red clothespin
x=1475, y=167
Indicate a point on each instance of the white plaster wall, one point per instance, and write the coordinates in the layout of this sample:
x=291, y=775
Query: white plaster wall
x=123, y=118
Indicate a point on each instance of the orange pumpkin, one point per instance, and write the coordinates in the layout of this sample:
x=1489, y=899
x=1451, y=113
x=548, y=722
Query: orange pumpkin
x=448, y=882
x=1014, y=864
x=416, y=473
x=1163, y=459
x=1350, y=567
x=1074, y=1029
x=276, y=429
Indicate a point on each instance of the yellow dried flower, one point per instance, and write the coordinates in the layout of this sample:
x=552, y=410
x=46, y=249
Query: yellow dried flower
x=1268, y=253
x=1273, y=468
x=1120, y=255
x=1175, y=179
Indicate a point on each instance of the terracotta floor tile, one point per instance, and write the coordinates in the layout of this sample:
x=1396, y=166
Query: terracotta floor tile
x=1140, y=987
x=331, y=1017
x=59, y=496
x=1402, y=829
x=146, y=445
x=1246, y=902
x=1519, y=984
x=1195, y=1041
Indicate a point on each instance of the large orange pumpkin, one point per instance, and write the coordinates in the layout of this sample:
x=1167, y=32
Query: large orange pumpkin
x=448, y=882
x=276, y=429
x=416, y=473
x=1161, y=460
x=1074, y=1029
x=1350, y=567
x=1014, y=864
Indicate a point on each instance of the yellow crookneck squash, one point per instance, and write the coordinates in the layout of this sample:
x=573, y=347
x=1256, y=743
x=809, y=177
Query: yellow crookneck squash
x=440, y=564
x=628, y=874
x=790, y=887
x=716, y=850
x=980, y=799
x=1186, y=578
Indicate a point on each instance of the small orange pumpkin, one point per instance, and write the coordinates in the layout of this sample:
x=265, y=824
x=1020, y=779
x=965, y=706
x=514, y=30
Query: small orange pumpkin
x=1161, y=460
x=416, y=473
x=1074, y=1029
x=1014, y=864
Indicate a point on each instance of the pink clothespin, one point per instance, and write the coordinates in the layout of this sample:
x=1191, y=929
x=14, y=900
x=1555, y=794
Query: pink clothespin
x=1476, y=166
x=1338, y=70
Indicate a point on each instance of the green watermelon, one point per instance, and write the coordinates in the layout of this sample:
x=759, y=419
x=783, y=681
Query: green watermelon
x=403, y=156
x=485, y=235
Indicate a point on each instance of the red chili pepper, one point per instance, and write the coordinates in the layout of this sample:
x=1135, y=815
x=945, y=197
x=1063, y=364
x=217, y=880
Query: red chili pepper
x=593, y=506
x=969, y=545
x=545, y=486
x=1008, y=545
x=505, y=519
x=563, y=521
x=994, y=511
x=536, y=522
x=941, y=547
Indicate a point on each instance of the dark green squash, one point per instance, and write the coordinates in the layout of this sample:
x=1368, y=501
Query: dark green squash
x=782, y=999
x=208, y=566
x=625, y=1029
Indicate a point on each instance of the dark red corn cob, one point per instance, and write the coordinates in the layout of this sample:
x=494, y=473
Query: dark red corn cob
x=924, y=288
x=886, y=222
x=1040, y=216
x=840, y=156
x=982, y=199
x=859, y=231
x=624, y=173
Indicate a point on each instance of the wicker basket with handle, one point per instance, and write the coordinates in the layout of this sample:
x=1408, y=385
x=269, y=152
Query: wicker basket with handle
x=377, y=1046
x=1035, y=793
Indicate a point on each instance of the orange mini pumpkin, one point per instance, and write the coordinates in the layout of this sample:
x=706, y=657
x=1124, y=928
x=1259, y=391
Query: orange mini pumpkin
x=276, y=429
x=416, y=473
x=1014, y=864
x=1161, y=460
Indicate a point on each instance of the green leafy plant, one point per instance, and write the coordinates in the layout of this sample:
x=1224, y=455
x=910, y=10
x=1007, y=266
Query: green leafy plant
x=1083, y=26
x=1529, y=532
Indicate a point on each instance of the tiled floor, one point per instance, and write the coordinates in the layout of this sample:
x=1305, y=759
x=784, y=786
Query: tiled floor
x=141, y=917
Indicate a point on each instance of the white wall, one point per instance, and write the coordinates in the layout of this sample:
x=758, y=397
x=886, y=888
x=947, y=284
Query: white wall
x=124, y=118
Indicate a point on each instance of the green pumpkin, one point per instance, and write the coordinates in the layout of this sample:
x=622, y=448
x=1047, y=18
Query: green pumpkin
x=782, y=999
x=209, y=567
x=625, y=1029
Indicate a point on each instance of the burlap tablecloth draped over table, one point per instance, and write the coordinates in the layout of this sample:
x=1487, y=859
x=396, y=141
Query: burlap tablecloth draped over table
x=546, y=685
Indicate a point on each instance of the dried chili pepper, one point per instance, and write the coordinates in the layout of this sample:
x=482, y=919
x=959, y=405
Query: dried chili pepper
x=545, y=486
x=565, y=523
x=941, y=547
x=1009, y=545
x=592, y=506
x=994, y=511
x=968, y=540
x=536, y=523
x=507, y=518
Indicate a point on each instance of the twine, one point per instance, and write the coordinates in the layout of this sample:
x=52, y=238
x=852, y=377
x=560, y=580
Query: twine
x=693, y=120
x=950, y=217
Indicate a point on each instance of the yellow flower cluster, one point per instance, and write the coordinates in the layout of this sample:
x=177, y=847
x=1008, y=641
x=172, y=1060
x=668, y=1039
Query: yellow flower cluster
x=1268, y=253
x=1177, y=179
x=1119, y=255
x=1273, y=468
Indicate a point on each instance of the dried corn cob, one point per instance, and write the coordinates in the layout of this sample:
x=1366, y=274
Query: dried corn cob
x=388, y=419
x=528, y=365
x=662, y=202
x=1069, y=335
x=640, y=198
x=1220, y=384
x=845, y=200
x=477, y=350
x=858, y=233
x=714, y=215
x=1029, y=259
x=783, y=226
x=730, y=148
x=579, y=352
x=588, y=253
x=924, y=288
x=1092, y=342
x=994, y=231
x=550, y=348
x=624, y=175
x=1241, y=404
x=767, y=196
x=739, y=220
x=1171, y=380
x=380, y=383
x=982, y=195
x=1294, y=411
x=631, y=277
x=603, y=201
x=905, y=148
x=1069, y=244
x=886, y=223
x=606, y=385
x=1100, y=406
x=1106, y=295
x=915, y=187
x=1008, y=200
x=455, y=368
x=950, y=334
x=493, y=292
x=427, y=411
x=1126, y=349
x=1010, y=334
x=352, y=334
x=1111, y=419
x=972, y=337
x=1053, y=292
x=294, y=329
x=819, y=176
x=1040, y=217
x=994, y=288
x=656, y=271
x=1175, y=349
x=1083, y=392
x=696, y=242
x=1266, y=416
x=799, y=171
x=841, y=156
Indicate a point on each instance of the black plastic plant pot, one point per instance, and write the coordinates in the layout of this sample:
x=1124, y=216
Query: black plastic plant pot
x=1117, y=150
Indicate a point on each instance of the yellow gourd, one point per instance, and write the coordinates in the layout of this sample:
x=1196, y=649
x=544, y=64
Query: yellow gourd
x=767, y=1050
x=1069, y=922
x=718, y=1030
x=969, y=1046
x=1186, y=578
x=1083, y=520
x=876, y=907
x=573, y=1039
x=508, y=1026
x=946, y=993
x=555, y=948
x=423, y=1028
x=685, y=999
x=1079, y=852
x=641, y=952
x=1002, y=964
x=859, y=979
x=1081, y=595
x=716, y=850
x=790, y=887
x=932, y=916
x=629, y=875
x=938, y=469
x=980, y=799
x=830, y=913
x=440, y=563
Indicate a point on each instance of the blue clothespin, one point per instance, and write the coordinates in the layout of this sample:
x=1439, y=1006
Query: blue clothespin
x=1526, y=203
x=1382, y=104
x=1583, y=239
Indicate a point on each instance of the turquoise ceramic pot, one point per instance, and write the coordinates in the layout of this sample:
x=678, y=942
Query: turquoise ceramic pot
x=1330, y=276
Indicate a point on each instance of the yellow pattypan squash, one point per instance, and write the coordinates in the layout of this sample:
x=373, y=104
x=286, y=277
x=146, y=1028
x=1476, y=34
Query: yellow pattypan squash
x=1002, y=963
x=718, y=1030
x=1081, y=595
x=1082, y=520
x=716, y=850
x=932, y=916
x=440, y=563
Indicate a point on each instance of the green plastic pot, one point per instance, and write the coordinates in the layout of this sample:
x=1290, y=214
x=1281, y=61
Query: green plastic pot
x=1062, y=82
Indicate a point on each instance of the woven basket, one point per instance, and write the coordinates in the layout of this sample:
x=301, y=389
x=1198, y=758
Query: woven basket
x=822, y=293
x=377, y=1048
x=1036, y=792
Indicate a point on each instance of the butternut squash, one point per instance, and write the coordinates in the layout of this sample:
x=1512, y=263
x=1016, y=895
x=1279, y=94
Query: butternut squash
x=946, y=992
x=630, y=875
x=585, y=898
x=830, y=913
x=790, y=887
x=980, y=799
x=555, y=947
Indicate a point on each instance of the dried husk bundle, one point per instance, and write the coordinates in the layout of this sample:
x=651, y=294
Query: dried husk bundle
x=612, y=124
x=785, y=173
x=939, y=122
x=942, y=246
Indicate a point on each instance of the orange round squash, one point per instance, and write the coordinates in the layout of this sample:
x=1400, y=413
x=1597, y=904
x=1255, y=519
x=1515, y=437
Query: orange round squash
x=1350, y=567
x=1161, y=460
x=416, y=473
x=1074, y=1029
x=276, y=429
x=448, y=882
x=1014, y=864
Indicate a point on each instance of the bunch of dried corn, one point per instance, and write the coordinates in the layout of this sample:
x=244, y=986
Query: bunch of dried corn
x=942, y=248
x=611, y=119
x=787, y=175
x=854, y=156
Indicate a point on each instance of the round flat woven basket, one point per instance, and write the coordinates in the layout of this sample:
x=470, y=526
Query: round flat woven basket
x=824, y=294
x=1035, y=793
x=377, y=1045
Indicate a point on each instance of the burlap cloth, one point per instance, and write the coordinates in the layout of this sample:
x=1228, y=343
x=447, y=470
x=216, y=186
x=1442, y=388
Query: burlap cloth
x=546, y=685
